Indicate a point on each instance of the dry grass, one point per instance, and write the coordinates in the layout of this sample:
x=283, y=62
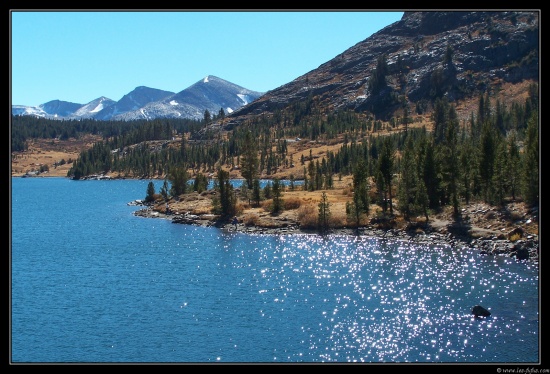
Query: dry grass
x=308, y=216
x=292, y=203
x=251, y=219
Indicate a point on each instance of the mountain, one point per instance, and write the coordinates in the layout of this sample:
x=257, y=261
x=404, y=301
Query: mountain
x=132, y=101
x=211, y=93
x=51, y=109
x=22, y=110
x=59, y=108
x=91, y=109
x=412, y=62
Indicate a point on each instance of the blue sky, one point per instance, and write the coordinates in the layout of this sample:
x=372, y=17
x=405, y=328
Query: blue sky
x=79, y=56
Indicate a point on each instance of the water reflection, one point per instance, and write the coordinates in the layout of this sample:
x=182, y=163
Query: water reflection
x=372, y=300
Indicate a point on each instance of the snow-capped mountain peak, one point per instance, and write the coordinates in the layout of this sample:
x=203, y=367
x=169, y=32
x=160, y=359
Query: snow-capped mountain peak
x=210, y=93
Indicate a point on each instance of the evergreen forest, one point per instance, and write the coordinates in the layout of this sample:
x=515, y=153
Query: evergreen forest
x=492, y=156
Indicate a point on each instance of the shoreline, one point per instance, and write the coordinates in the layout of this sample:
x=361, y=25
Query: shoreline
x=484, y=240
x=524, y=249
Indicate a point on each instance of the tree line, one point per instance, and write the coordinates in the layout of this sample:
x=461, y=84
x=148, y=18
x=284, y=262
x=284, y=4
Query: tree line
x=491, y=156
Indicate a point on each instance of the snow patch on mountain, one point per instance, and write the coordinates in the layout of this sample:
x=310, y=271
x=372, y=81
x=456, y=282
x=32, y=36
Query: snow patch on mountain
x=22, y=110
x=97, y=108
x=244, y=98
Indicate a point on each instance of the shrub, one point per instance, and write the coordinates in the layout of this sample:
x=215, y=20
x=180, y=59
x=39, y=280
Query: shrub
x=193, y=196
x=266, y=205
x=337, y=220
x=201, y=210
x=239, y=208
x=292, y=203
x=515, y=237
x=251, y=219
x=307, y=216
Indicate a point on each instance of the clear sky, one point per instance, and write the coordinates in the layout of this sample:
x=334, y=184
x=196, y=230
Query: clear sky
x=79, y=56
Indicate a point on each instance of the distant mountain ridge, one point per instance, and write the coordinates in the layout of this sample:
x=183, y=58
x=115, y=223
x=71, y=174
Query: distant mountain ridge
x=210, y=93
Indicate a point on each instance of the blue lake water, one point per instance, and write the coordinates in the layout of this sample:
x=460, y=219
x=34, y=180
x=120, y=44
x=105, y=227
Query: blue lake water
x=91, y=283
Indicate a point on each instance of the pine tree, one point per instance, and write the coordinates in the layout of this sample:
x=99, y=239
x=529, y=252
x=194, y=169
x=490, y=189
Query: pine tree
x=225, y=202
x=256, y=192
x=249, y=159
x=386, y=166
x=360, y=201
x=450, y=167
x=514, y=164
x=531, y=162
x=430, y=175
x=200, y=183
x=150, y=197
x=408, y=182
x=487, y=159
x=164, y=190
x=277, y=193
x=324, y=213
x=207, y=116
x=178, y=177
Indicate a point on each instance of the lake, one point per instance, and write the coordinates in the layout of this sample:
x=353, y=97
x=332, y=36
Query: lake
x=92, y=283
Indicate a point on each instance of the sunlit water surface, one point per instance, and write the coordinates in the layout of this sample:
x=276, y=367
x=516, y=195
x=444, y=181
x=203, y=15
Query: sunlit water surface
x=93, y=283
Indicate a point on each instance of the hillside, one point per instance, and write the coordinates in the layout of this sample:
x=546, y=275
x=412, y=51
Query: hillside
x=456, y=55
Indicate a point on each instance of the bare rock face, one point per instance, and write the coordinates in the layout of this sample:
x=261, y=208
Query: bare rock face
x=428, y=55
x=480, y=311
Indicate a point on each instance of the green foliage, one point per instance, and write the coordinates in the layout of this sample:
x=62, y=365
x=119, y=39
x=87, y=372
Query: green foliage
x=437, y=81
x=207, y=116
x=324, y=213
x=448, y=56
x=164, y=190
x=360, y=202
x=178, y=177
x=277, y=193
x=200, y=183
x=386, y=169
x=256, y=192
x=268, y=194
x=249, y=159
x=411, y=191
x=150, y=196
x=92, y=161
x=225, y=202
x=377, y=80
x=531, y=162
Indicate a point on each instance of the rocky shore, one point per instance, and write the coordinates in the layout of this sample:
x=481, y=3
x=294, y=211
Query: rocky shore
x=488, y=242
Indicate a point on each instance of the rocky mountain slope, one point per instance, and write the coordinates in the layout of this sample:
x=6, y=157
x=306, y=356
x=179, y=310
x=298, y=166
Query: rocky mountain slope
x=454, y=54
